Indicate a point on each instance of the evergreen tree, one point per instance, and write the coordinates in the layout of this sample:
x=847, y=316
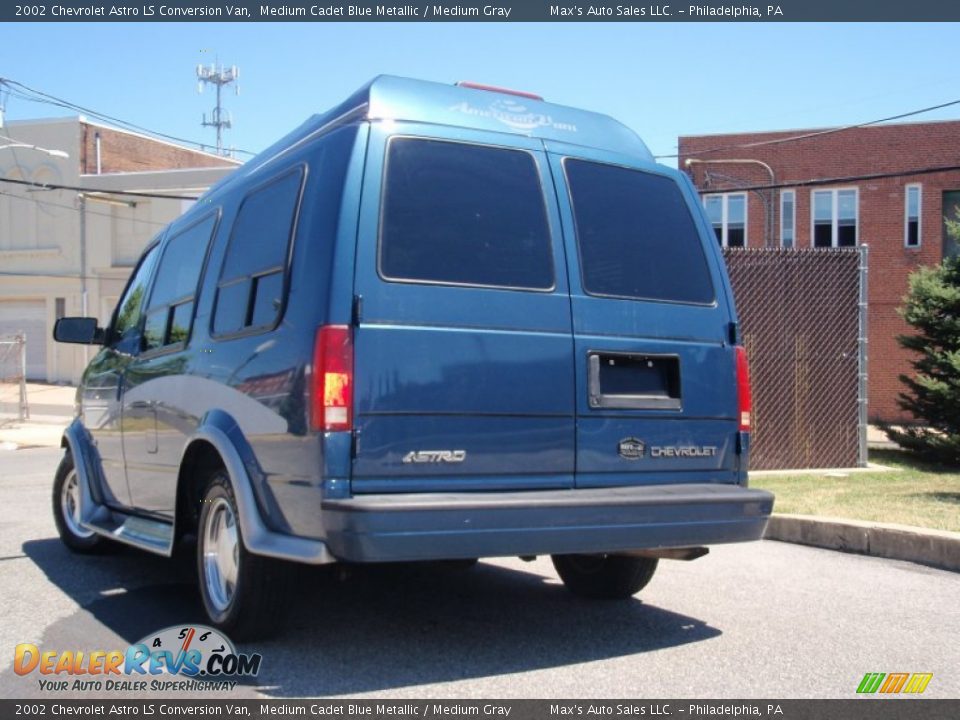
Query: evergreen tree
x=932, y=308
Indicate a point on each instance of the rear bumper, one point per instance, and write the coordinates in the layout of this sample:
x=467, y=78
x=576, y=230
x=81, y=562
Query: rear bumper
x=380, y=528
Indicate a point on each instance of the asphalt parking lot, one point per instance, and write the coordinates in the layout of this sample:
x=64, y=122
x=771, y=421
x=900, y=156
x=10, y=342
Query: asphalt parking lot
x=764, y=620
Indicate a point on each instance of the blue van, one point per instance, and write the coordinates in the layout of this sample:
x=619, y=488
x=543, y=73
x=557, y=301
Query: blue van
x=435, y=322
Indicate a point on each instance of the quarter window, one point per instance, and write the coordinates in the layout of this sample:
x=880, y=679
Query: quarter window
x=250, y=291
x=788, y=218
x=728, y=215
x=911, y=229
x=636, y=236
x=170, y=312
x=462, y=214
x=834, y=218
x=127, y=318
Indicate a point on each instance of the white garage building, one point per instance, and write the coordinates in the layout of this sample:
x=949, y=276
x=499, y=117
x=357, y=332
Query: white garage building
x=70, y=252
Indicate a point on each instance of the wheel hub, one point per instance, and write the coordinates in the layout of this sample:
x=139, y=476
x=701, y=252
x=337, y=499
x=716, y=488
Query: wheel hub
x=220, y=554
x=70, y=506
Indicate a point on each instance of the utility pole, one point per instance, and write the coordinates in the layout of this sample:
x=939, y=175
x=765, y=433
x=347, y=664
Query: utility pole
x=217, y=75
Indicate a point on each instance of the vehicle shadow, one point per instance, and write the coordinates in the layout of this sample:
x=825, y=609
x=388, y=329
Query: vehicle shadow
x=373, y=628
x=947, y=497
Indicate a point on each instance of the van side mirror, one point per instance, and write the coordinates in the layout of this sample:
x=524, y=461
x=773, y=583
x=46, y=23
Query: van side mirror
x=80, y=330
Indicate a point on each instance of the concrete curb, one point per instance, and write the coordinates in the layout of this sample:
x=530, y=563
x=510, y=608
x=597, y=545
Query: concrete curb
x=935, y=548
x=32, y=434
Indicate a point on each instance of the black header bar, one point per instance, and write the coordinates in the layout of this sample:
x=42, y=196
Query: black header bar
x=873, y=708
x=472, y=11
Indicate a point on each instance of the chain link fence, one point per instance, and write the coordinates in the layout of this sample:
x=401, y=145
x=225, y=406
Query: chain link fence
x=13, y=379
x=803, y=321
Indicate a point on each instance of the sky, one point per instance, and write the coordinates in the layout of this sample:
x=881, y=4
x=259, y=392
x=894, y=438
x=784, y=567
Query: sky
x=660, y=79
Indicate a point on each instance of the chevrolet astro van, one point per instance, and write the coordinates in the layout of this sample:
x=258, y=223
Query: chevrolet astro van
x=434, y=323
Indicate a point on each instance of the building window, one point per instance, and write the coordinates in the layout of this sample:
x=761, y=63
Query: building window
x=728, y=215
x=788, y=218
x=834, y=218
x=911, y=220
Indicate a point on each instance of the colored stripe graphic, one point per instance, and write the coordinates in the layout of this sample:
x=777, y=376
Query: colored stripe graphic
x=870, y=682
x=918, y=682
x=895, y=682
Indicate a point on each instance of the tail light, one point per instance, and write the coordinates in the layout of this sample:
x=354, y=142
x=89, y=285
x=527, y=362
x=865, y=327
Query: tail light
x=744, y=396
x=332, y=385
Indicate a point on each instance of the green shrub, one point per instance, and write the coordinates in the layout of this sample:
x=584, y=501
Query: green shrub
x=932, y=308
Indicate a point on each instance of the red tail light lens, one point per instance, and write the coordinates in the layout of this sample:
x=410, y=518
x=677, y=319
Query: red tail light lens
x=332, y=386
x=744, y=396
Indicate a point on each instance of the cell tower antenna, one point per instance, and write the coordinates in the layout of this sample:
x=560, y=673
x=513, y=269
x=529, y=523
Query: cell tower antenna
x=219, y=76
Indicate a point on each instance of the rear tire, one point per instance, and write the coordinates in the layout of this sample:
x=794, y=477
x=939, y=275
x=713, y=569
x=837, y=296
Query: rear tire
x=243, y=594
x=66, y=511
x=604, y=577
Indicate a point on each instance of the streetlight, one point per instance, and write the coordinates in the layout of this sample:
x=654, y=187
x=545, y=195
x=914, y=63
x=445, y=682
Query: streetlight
x=27, y=146
x=769, y=229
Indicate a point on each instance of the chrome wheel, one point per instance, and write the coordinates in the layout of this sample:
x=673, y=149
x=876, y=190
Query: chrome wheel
x=70, y=506
x=221, y=552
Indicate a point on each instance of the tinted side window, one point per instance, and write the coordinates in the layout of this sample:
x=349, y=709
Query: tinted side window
x=250, y=291
x=171, y=302
x=465, y=215
x=636, y=236
x=131, y=304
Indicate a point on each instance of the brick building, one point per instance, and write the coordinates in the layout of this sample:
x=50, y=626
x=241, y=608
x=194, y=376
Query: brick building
x=882, y=189
x=70, y=252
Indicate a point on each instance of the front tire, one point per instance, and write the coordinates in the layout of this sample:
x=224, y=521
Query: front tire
x=66, y=511
x=243, y=594
x=604, y=577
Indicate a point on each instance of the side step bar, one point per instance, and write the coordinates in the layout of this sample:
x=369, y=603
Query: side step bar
x=153, y=536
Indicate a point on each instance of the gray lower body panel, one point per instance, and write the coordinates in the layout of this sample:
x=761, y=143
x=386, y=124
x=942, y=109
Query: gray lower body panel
x=433, y=526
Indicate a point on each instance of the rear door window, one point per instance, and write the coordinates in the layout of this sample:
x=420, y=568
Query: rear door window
x=461, y=214
x=636, y=236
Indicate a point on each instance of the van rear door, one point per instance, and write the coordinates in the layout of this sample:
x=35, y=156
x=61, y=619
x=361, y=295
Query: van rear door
x=463, y=345
x=656, y=398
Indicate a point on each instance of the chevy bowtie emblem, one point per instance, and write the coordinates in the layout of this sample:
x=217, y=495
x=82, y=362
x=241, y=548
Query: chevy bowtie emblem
x=631, y=449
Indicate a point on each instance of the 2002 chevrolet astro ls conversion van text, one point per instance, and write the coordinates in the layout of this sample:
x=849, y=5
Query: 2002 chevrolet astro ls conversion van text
x=436, y=322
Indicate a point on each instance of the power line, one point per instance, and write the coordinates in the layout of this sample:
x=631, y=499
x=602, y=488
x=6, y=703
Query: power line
x=818, y=133
x=49, y=203
x=21, y=91
x=65, y=276
x=836, y=180
x=77, y=188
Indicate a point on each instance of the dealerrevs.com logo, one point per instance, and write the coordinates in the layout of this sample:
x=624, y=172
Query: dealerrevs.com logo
x=188, y=658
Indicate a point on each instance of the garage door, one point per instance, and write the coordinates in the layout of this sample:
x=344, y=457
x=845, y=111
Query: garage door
x=28, y=317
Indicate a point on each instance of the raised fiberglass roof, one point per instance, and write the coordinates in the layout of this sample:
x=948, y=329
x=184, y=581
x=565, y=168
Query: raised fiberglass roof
x=401, y=99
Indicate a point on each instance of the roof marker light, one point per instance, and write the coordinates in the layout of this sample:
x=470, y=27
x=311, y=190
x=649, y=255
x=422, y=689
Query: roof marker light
x=494, y=88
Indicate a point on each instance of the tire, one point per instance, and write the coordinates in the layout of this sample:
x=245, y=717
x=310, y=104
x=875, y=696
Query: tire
x=243, y=594
x=459, y=565
x=604, y=577
x=66, y=511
